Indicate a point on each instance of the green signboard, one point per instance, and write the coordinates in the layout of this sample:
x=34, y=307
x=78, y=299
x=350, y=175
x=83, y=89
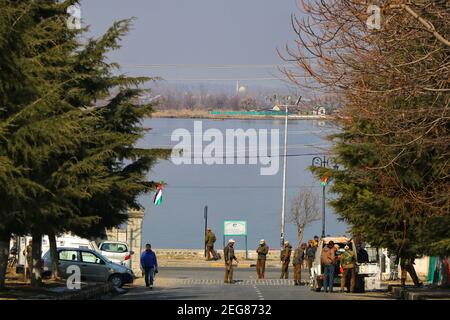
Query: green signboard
x=235, y=228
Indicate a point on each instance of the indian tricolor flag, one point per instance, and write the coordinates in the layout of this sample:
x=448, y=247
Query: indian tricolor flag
x=157, y=198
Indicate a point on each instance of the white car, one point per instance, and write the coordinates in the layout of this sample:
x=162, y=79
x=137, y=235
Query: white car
x=116, y=251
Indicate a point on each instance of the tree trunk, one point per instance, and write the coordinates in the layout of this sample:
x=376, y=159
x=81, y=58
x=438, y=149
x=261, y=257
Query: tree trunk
x=4, y=255
x=53, y=255
x=299, y=234
x=36, y=273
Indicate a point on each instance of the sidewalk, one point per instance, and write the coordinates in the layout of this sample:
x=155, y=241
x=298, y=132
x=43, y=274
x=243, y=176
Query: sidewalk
x=424, y=293
x=16, y=289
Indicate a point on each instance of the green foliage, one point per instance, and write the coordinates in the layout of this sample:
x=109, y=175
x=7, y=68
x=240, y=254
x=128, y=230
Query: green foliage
x=67, y=162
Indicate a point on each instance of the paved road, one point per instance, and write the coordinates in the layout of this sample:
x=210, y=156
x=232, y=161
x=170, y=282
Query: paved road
x=207, y=284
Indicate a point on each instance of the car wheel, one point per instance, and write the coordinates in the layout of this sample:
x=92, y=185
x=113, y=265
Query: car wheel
x=116, y=281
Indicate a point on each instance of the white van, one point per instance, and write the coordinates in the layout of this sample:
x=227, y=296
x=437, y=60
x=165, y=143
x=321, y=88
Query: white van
x=368, y=272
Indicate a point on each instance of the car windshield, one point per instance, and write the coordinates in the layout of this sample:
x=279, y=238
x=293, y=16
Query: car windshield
x=114, y=247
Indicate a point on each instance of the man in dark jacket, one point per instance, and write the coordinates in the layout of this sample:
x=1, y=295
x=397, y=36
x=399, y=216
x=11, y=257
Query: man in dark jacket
x=228, y=255
x=285, y=259
x=149, y=264
x=310, y=255
x=299, y=256
x=210, y=239
x=262, y=252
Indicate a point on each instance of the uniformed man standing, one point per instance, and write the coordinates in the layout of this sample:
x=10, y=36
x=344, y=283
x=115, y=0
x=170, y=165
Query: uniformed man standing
x=29, y=259
x=299, y=255
x=262, y=251
x=210, y=239
x=228, y=254
x=285, y=259
x=348, y=261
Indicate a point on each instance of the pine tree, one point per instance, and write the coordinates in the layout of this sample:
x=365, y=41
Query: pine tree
x=81, y=169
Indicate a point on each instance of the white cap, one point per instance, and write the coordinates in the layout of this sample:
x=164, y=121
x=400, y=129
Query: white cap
x=286, y=242
x=262, y=241
x=231, y=241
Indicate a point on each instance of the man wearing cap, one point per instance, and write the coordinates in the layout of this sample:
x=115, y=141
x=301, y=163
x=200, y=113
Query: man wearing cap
x=210, y=239
x=285, y=259
x=228, y=254
x=299, y=256
x=262, y=251
x=348, y=261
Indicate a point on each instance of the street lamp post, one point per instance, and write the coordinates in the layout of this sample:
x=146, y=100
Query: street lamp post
x=286, y=104
x=324, y=163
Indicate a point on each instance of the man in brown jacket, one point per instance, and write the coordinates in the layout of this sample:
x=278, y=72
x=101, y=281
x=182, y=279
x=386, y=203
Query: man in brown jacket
x=210, y=239
x=285, y=259
x=228, y=254
x=262, y=251
x=329, y=263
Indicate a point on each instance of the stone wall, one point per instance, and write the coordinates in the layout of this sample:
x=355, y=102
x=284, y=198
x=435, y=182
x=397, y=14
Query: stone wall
x=198, y=254
x=132, y=235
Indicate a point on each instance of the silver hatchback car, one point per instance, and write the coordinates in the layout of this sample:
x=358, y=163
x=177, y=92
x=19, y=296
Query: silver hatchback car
x=93, y=266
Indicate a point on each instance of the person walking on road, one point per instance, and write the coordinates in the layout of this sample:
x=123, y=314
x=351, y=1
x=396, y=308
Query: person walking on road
x=299, y=255
x=210, y=239
x=149, y=264
x=262, y=252
x=228, y=254
x=407, y=266
x=348, y=261
x=328, y=259
x=285, y=259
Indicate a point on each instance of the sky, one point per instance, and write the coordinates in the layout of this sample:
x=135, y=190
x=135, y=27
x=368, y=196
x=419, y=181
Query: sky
x=211, y=32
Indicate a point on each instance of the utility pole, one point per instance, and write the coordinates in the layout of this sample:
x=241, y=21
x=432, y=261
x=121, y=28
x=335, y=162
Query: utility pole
x=283, y=202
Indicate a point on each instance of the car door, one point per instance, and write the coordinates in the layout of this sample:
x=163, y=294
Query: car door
x=67, y=258
x=93, y=267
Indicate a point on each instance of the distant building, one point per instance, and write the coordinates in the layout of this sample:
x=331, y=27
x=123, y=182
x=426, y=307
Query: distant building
x=319, y=111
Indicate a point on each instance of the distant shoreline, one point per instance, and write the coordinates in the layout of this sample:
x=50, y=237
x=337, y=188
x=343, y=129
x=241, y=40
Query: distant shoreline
x=202, y=114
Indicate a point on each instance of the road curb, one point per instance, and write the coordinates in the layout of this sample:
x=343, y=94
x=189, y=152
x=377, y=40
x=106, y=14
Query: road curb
x=89, y=293
x=402, y=293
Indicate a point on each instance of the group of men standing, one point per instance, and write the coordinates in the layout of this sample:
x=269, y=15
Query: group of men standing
x=329, y=261
x=301, y=254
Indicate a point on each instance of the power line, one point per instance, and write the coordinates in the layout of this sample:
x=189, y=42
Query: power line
x=204, y=66
x=239, y=187
x=225, y=79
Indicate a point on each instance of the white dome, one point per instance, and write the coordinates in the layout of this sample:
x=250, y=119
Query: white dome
x=242, y=89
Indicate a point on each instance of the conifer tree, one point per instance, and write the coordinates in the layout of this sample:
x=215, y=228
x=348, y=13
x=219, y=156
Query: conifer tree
x=80, y=168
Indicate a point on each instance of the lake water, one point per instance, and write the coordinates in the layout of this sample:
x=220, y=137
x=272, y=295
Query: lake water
x=232, y=192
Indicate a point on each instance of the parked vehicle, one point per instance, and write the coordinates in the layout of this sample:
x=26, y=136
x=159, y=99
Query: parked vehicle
x=93, y=266
x=365, y=271
x=116, y=251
